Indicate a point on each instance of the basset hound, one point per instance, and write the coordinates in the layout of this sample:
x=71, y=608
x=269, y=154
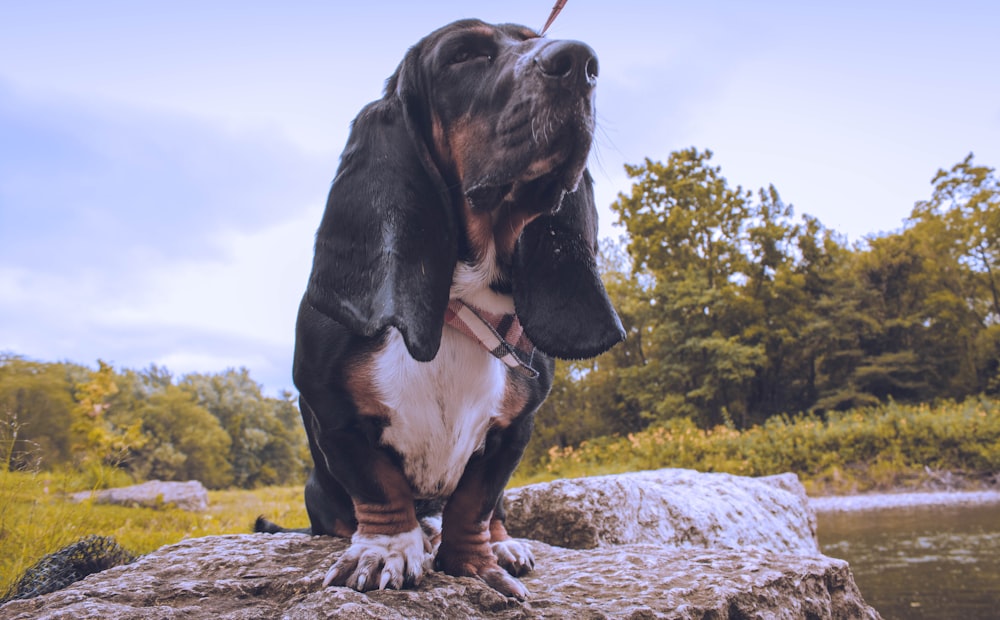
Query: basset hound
x=455, y=259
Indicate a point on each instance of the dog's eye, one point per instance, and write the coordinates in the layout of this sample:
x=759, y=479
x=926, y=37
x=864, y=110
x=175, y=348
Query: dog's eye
x=466, y=55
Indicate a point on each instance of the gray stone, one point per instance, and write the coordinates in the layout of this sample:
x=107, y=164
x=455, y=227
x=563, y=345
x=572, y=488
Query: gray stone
x=263, y=576
x=190, y=495
x=667, y=544
x=674, y=507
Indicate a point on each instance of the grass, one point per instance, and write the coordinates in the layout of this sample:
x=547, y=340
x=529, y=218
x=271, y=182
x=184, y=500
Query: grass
x=889, y=447
x=37, y=517
x=883, y=448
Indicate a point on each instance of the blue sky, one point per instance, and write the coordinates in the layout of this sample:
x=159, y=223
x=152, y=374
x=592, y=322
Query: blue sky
x=163, y=165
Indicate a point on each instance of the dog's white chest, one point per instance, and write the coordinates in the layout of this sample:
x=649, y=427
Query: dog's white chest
x=440, y=411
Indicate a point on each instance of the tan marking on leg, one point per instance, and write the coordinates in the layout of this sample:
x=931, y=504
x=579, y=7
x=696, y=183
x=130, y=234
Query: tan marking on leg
x=360, y=384
x=465, y=549
x=398, y=514
x=515, y=399
x=498, y=531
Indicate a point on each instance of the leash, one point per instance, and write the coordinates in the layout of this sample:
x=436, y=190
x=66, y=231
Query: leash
x=552, y=16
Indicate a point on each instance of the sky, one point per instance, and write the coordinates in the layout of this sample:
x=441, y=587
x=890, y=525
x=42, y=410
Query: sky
x=164, y=165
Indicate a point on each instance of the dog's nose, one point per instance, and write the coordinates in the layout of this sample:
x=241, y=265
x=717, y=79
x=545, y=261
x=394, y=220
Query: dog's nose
x=570, y=61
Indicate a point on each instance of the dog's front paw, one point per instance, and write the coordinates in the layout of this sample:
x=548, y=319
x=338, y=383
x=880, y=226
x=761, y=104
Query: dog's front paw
x=482, y=564
x=514, y=556
x=380, y=562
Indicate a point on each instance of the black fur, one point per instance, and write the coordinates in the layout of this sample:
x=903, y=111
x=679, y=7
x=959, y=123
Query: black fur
x=395, y=227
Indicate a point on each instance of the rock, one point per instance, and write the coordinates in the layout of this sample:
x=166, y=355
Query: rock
x=264, y=576
x=667, y=544
x=674, y=507
x=190, y=495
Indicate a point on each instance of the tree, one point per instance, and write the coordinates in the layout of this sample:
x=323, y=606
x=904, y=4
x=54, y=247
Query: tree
x=183, y=440
x=36, y=404
x=919, y=303
x=98, y=440
x=268, y=442
x=687, y=236
x=967, y=198
x=959, y=228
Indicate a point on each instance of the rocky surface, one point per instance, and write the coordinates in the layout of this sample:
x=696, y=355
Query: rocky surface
x=190, y=495
x=670, y=544
x=676, y=507
x=278, y=576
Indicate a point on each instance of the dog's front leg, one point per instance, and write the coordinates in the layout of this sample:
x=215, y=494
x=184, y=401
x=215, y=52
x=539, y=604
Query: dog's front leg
x=388, y=548
x=468, y=525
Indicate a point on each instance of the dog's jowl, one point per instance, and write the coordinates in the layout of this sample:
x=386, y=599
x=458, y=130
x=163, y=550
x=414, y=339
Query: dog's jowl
x=454, y=261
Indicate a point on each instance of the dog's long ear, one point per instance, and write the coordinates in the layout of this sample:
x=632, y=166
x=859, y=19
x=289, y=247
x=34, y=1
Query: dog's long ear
x=386, y=249
x=558, y=292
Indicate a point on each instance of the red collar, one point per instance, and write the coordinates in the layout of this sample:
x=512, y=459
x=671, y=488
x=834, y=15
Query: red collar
x=500, y=334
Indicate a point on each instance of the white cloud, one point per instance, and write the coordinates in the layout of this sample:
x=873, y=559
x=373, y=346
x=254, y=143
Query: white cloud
x=250, y=290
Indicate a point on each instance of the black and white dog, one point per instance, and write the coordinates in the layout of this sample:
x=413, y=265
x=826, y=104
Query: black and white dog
x=455, y=258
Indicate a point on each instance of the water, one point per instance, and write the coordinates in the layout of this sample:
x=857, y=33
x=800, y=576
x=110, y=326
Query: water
x=922, y=562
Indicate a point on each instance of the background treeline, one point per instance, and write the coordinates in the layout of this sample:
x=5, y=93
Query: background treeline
x=219, y=429
x=889, y=447
x=738, y=312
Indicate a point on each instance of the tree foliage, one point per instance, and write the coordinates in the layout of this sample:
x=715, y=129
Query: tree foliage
x=36, y=411
x=219, y=429
x=737, y=312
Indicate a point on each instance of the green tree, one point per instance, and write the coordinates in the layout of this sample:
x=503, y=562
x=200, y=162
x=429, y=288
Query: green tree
x=183, y=441
x=268, y=443
x=831, y=319
x=36, y=411
x=687, y=235
x=918, y=305
x=97, y=439
x=959, y=227
x=967, y=197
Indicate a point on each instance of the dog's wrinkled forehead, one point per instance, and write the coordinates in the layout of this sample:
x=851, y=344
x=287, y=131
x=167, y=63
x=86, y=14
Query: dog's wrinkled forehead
x=471, y=40
x=467, y=40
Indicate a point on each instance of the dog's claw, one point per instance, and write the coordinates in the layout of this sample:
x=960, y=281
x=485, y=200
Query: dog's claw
x=482, y=564
x=514, y=556
x=331, y=576
x=380, y=562
x=502, y=582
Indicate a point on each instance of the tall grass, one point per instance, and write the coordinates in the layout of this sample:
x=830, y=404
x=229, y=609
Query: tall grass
x=37, y=517
x=886, y=447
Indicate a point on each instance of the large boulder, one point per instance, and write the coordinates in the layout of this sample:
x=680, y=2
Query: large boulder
x=653, y=568
x=190, y=495
x=673, y=507
x=259, y=576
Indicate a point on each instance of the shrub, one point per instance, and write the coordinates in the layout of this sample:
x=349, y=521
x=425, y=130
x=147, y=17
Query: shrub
x=864, y=449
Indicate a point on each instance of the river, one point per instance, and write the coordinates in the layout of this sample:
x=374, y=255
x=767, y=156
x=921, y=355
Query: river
x=915, y=562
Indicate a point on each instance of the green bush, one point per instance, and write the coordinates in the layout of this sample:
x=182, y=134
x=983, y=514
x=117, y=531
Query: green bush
x=858, y=450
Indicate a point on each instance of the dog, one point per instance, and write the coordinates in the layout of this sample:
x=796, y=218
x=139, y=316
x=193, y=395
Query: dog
x=455, y=259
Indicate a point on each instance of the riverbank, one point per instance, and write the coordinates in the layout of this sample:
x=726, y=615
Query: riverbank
x=879, y=501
